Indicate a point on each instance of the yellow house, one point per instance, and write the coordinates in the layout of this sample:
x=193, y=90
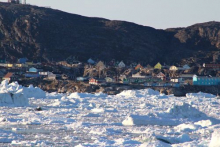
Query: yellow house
x=173, y=68
x=18, y=65
x=29, y=63
x=158, y=66
x=10, y=65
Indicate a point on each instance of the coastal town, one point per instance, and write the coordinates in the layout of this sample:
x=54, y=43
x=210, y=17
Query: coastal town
x=113, y=72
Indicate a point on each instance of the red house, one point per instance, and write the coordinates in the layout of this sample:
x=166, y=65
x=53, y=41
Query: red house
x=94, y=81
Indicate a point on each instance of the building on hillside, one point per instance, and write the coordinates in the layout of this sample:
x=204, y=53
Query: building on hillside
x=32, y=69
x=121, y=64
x=29, y=63
x=206, y=81
x=18, y=65
x=9, y=65
x=138, y=75
x=83, y=79
x=186, y=67
x=64, y=76
x=43, y=73
x=186, y=77
x=51, y=76
x=90, y=61
x=100, y=66
x=110, y=80
x=149, y=67
x=138, y=67
x=94, y=81
x=32, y=75
x=213, y=66
x=22, y=60
x=173, y=68
x=158, y=66
x=176, y=80
x=3, y=64
x=161, y=76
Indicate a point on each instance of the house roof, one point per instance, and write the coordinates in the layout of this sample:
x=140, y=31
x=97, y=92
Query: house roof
x=100, y=65
x=138, y=67
x=8, y=75
x=158, y=66
x=160, y=74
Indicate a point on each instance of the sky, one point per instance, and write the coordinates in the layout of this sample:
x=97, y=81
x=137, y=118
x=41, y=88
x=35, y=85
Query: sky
x=160, y=14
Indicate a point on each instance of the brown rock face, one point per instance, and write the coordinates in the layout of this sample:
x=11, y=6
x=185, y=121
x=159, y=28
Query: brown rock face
x=47, y=34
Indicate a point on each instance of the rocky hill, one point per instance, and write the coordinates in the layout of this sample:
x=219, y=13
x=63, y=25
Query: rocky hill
x=46, y=34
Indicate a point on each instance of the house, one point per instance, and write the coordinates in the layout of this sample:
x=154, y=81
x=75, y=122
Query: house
x=3, y=64
x=140, y=80
x=22, y=60
x=82, y=78
x=72, y=60
x=186, y=77
x=94, y=81
x=206, y=80
x=121, y=64
x=64, y=64
x=173, y=68
x=149, y=67
x=138, y=67
x=10, y=77
x=18, y=65
x=213, y=66
x=32, y=75
x=176, y=79
x=100, y=66
x=9, y=65
x=51, y=76
x=138, y=75
x=185, y=67
x=43, y=73
x=64, y=76
x=158, y=66
x=90, y=61
x=161, y=76
x=29, y=63
x=32, y=69
x=109, y=80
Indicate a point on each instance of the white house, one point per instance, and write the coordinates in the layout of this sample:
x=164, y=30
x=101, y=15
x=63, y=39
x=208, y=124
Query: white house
x=51, y=76
x=121, y=64
x=173, y=68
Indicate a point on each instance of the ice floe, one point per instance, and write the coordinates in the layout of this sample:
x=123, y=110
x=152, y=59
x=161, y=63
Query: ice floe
x=130, y=118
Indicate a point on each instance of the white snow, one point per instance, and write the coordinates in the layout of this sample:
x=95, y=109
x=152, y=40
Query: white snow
x=131, y=118
x=215, y=140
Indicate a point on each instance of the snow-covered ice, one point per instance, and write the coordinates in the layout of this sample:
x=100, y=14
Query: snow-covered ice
x=132, y=118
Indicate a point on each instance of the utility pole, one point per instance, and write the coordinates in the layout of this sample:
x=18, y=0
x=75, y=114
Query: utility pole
x=24, y=2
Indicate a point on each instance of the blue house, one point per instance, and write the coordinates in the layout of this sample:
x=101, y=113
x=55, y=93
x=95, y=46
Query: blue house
x=206, y=80
x=32, y=75
x=32, y=69
x=22, y=60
